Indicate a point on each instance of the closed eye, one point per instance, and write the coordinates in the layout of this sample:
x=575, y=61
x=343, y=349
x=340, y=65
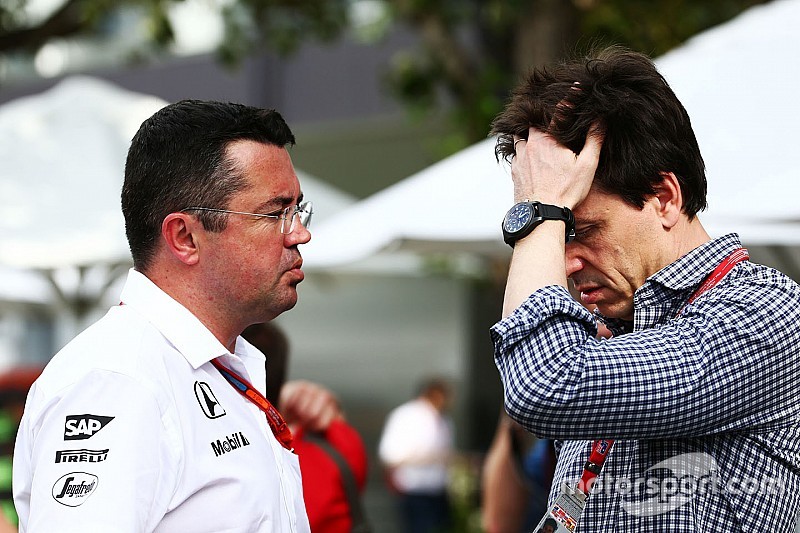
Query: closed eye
x=584, y=232
x=276, y=213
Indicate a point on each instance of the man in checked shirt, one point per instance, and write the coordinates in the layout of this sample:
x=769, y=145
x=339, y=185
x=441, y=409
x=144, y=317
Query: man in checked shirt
x=698, y=390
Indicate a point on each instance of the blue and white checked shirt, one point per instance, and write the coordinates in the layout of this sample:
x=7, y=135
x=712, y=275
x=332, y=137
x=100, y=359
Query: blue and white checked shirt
x=705, y=406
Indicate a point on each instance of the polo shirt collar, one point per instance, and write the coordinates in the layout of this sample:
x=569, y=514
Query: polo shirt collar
x=178, y=325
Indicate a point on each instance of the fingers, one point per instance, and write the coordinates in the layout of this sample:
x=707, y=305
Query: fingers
x=592, y=146
x=309, y=405
x=551, y=173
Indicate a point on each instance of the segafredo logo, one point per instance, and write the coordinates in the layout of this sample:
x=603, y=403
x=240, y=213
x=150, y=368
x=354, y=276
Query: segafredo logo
x=74, y=489
x=80, y=427
x=229, y=443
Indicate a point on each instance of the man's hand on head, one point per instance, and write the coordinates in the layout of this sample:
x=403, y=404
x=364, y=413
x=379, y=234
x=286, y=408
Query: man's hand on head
x=550, y=173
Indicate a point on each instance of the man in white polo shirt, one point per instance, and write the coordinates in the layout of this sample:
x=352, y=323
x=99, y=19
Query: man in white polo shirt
x=146, y=421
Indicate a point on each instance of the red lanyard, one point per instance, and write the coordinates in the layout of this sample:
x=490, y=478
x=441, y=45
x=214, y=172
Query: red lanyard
x=276, y=422
x=602, y=447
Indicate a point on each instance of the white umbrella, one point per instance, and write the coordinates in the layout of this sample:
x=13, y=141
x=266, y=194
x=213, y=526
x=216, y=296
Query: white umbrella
x=735, y=82
x=22, y=286
x=63, y=156
x=442, y=208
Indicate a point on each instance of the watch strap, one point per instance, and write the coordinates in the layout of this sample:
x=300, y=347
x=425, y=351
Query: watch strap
x=553, y=212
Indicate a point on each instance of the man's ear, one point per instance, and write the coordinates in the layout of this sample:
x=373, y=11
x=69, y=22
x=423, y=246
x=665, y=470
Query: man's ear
x=179, y=232
x=669, y=199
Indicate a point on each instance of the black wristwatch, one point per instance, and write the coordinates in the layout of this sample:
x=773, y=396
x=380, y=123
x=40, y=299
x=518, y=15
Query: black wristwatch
x=523, y=217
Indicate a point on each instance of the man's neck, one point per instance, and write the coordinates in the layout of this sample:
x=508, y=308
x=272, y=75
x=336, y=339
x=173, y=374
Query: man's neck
x=181, y=288
x=689, y=236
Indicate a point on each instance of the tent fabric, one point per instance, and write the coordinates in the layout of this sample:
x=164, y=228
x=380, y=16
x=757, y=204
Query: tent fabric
x=63, y=155
x=732, y=79
x=445, y=207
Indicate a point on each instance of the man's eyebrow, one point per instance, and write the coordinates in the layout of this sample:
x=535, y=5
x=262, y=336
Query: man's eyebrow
x=277, y=203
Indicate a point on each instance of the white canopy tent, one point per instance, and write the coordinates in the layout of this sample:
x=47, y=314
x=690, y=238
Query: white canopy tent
x=733, y=80
x=63, y=152
x=730, y=79
x=63, y=155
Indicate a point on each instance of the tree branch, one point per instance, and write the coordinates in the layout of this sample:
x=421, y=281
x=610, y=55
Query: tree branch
x=67, y=20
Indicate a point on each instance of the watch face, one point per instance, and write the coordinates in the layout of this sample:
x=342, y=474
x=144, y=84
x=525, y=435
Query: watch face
x=517, y=217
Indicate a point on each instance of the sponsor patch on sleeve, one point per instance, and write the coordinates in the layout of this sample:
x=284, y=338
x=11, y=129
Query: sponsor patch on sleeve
x=81, y=427
x=74, y=489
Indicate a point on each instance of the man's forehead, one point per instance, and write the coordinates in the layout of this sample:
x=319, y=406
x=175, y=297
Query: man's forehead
x=269, y=174
x=589, y=210
x=597, y=206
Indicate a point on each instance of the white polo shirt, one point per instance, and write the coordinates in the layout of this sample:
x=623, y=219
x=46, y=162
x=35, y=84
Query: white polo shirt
x=417, y=442
x=130, y=429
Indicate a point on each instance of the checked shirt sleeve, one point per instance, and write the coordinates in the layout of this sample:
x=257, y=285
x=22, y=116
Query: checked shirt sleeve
x=722, y=365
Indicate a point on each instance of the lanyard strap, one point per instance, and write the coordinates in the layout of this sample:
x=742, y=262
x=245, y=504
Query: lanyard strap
x=602, y=447
x=276, y=422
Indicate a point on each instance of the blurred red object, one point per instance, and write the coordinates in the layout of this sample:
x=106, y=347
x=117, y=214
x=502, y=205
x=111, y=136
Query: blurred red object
x=19, y=380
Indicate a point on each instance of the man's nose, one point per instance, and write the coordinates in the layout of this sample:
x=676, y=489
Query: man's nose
x=572, y=262
x=299, y=235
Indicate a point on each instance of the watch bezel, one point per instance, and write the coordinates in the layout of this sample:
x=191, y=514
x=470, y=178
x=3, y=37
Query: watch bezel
x=539, y=213
x=531, y=209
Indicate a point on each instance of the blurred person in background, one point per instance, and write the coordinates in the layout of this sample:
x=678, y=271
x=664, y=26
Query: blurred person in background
x=515, y=479
x=333, y=460
x=416, y=446
x=517, y=473
x=154, y=419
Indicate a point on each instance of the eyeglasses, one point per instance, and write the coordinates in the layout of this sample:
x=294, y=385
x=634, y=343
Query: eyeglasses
x=288, y=216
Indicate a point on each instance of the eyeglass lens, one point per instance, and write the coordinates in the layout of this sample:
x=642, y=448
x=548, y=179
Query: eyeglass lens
x=291, y=214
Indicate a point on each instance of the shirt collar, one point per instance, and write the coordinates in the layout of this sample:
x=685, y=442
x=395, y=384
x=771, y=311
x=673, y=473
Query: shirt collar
x=691, y=269
x=668, y=288
x=178, y=325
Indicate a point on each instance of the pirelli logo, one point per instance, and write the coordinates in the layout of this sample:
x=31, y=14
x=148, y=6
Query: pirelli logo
x=81, y=456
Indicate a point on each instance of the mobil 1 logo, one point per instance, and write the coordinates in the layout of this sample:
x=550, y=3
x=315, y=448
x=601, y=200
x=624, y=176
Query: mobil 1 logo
x=81, y=427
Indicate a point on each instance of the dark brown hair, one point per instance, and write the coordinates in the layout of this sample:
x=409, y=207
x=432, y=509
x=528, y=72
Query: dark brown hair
x=178, y=159
x=646, y=130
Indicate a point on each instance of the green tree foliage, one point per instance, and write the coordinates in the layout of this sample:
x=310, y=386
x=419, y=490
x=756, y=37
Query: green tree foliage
x=469, y=52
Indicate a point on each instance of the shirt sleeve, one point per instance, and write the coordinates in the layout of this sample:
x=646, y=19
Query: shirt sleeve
x=98, y=456
x=725, y=364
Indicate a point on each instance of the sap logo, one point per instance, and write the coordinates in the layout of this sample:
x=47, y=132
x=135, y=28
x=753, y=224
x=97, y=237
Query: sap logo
x=74, y=489
x=229, y=443
x=80, y=427
x=208, y=402
x=81, y=456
